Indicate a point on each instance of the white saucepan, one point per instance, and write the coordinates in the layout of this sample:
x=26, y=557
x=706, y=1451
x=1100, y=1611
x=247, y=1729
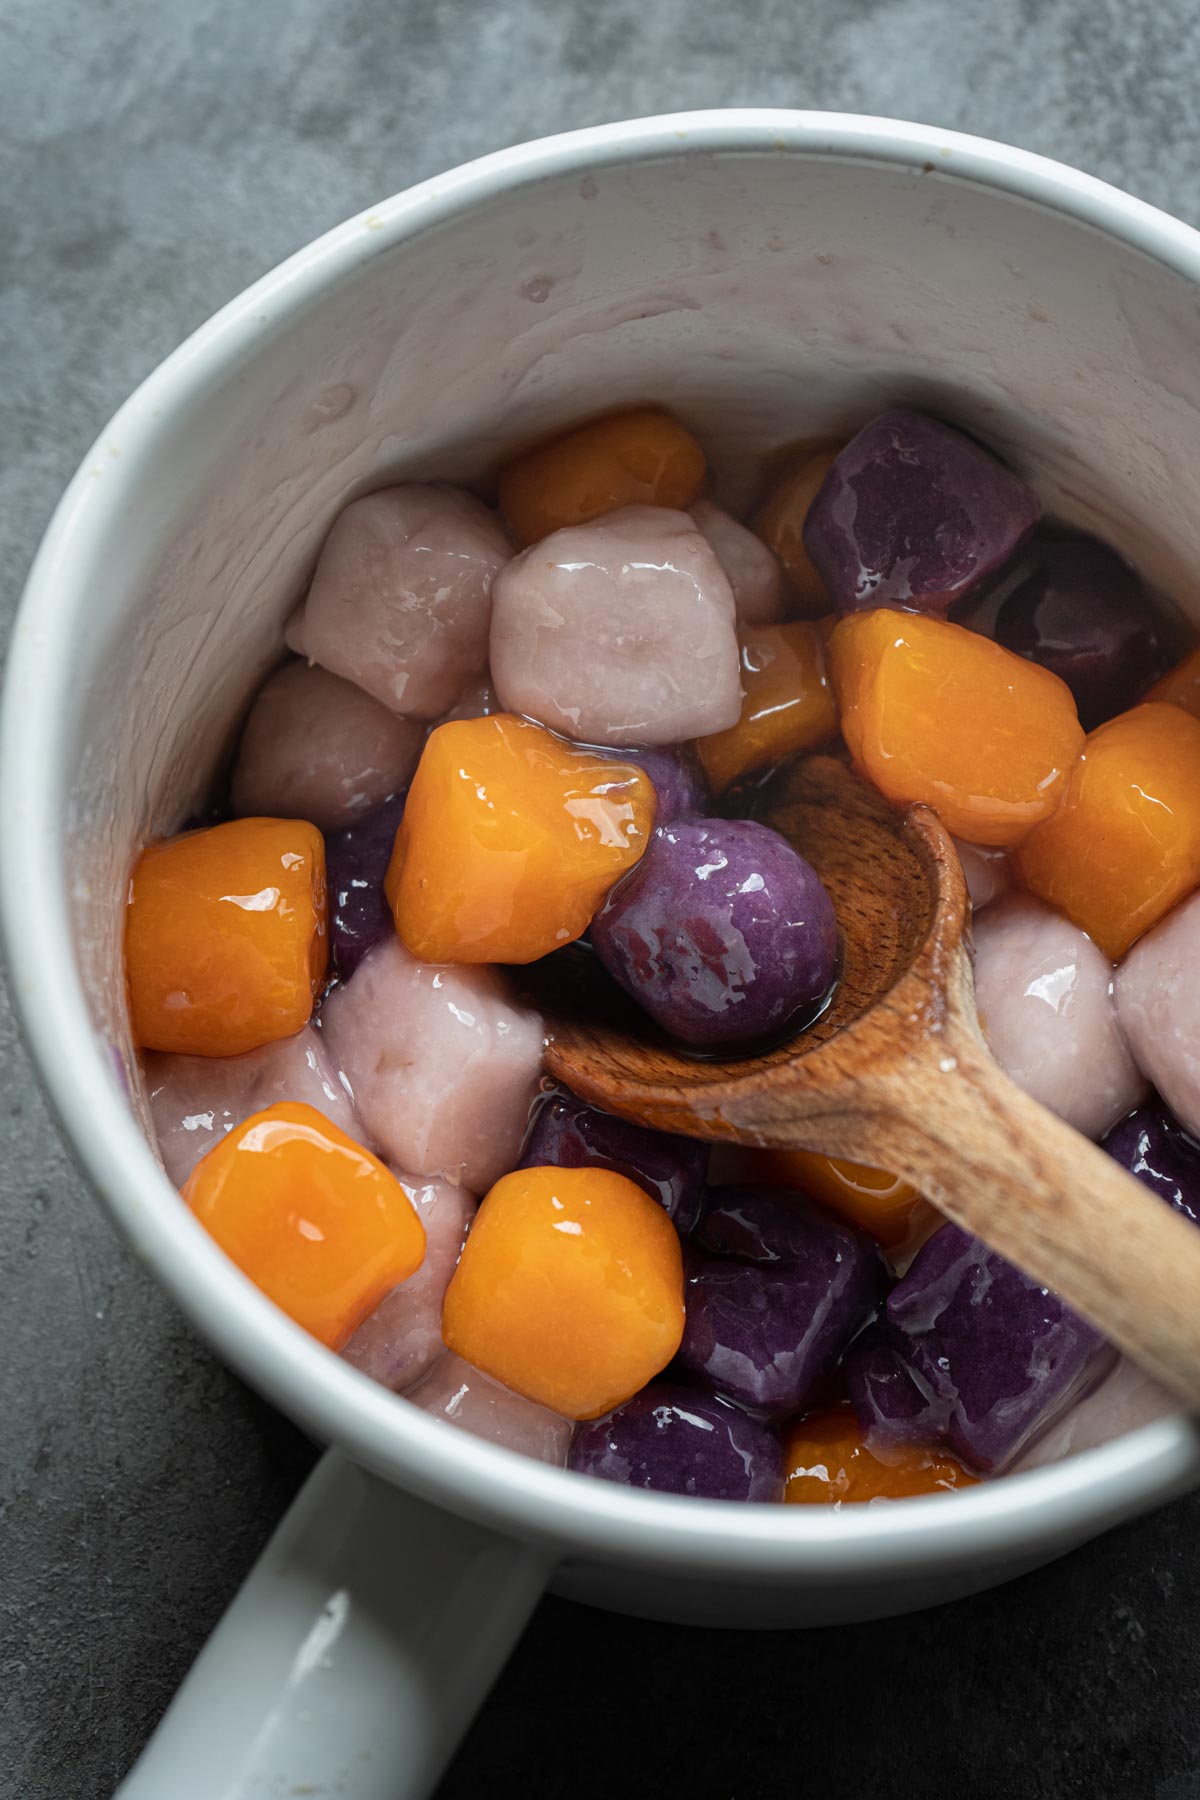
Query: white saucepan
x=766, y=275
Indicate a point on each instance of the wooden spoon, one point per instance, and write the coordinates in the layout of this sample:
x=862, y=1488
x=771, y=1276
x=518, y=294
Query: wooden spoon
x=896, y=1074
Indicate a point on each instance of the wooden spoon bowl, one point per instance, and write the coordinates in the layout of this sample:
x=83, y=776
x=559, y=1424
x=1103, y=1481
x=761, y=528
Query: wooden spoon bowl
x=898, y=892
x=896, y=1074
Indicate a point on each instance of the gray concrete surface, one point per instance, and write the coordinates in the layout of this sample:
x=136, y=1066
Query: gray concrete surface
x=155, y=156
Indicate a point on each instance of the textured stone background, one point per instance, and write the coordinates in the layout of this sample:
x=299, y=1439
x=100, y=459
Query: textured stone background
x=155, y=156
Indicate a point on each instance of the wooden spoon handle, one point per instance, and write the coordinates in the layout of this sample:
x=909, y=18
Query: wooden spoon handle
x=1009, y=1171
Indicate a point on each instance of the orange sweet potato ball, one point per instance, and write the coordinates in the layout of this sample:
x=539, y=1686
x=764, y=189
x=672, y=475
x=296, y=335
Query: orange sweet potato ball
x=315, y=1221
x=886, y=1207
x=510, y=840
x=225, y=944
x=788, y=704
x=935, y=713
x=1124, y=846
x=1180, y=686
x=640, y=458
x=827, y=1463
x=570, y=1289
x=780, y=523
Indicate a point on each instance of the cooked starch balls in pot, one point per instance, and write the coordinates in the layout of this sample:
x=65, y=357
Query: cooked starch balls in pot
x=1155, y=1147
x=619, y=632
x=510, y=840
x=1158, y=1009
x=1082, y=613
x=677, y=777
x=520, y=763
x=225, y=938
x=400, y=601
x=463, y=1396
x=936, y=714
x=774, y=1293
x=827, y=1463
x=760, y=589
x=780, y=523
x=913, y=513
x=1123, y=846
x=443, y=1063
x=1180, y=686
x=1044, y=992
x=196, y=1100
x=787, y=705
x=722, y=933
x=357, y=859
x=570, y=1289
x=638, y=458
x=401, y=1339
x=888, y=1209
x=675, y=1440
x=985, y=870
x=969, y=1354
x=317, y=747
x=567, y=1133
x=321, y=1225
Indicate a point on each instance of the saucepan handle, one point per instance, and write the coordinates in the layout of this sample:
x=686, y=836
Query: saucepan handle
x=353, y=1658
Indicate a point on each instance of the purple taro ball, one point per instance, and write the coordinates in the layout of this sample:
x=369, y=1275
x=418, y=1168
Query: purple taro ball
x=567, y=1133
x=356, y=861
x=1152, y=1144
x=969, y=1353
x=676, y=1441
x=1081, y=613
x=914, y=514
x=770, y=1313
x=677, y=779
x=722, y=933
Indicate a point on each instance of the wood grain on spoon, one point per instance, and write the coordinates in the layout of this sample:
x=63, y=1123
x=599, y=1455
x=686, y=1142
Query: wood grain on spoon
x=896, y=1074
